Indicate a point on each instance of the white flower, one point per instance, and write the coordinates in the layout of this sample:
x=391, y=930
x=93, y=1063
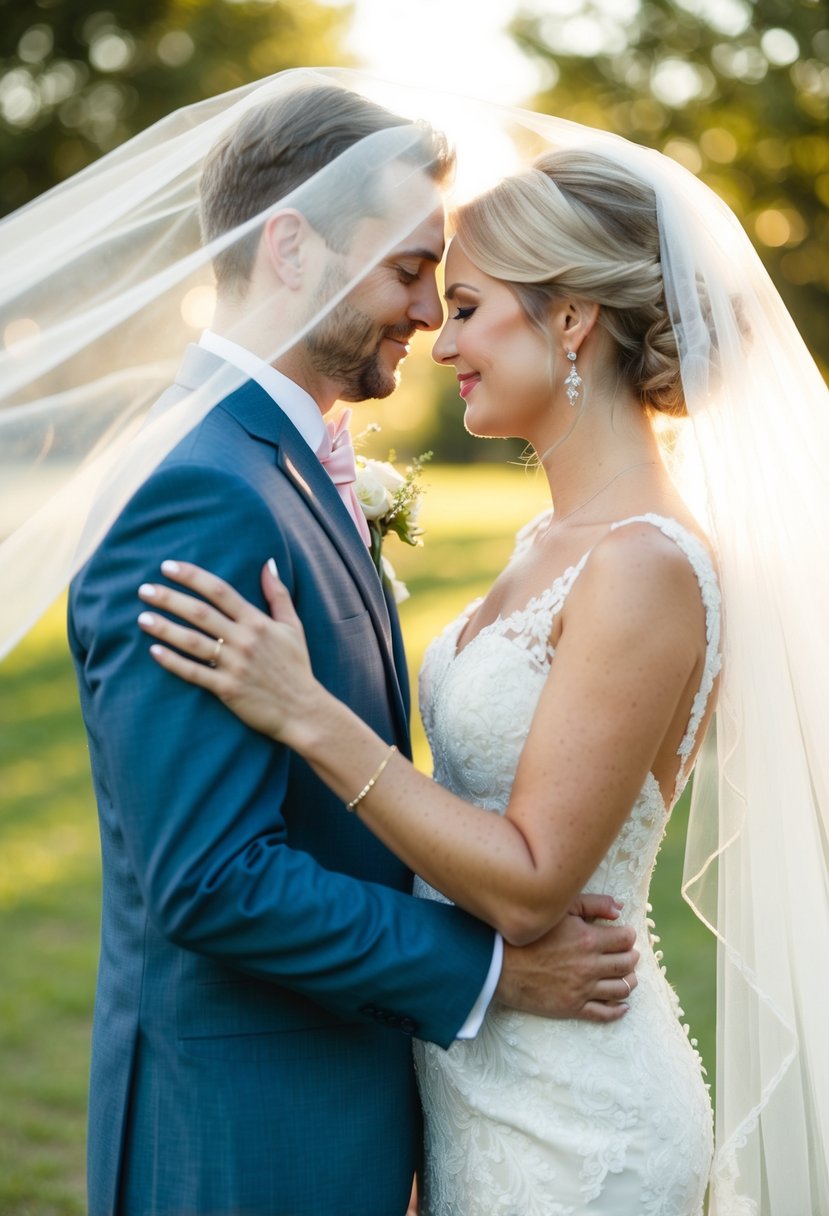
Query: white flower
x=389, y=501
x=399, y=589
x=387, y=475
x=372, y=495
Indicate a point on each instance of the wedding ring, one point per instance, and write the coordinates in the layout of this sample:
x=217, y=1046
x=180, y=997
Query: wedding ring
x=213, y=661
x=627, y=985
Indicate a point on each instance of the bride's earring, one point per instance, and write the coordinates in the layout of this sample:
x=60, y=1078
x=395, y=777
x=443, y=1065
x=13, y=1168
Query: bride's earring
x=573, y=380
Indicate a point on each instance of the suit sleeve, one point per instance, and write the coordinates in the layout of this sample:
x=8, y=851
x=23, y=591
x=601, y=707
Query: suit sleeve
x=199, y=795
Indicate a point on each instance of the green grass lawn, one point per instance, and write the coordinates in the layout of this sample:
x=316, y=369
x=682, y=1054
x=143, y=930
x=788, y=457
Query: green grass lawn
x=49, y=907
x=49, y=873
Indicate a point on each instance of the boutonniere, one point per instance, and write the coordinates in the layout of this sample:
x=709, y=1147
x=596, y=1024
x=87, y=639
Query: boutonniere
x=390, y=501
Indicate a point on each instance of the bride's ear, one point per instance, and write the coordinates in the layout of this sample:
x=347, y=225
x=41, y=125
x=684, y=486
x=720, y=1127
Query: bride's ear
x=572, y=320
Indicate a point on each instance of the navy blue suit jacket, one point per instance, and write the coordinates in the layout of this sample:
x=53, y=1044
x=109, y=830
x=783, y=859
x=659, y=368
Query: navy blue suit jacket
x=263, y=964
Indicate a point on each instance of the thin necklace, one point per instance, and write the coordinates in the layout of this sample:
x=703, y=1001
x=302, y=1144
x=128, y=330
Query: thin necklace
x=558, y=519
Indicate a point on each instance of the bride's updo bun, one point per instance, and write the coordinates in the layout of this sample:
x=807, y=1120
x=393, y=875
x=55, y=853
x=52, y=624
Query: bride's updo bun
x=578, y=224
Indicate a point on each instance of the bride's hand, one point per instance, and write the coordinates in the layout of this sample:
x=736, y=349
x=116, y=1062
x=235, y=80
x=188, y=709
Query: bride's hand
x=258, y=665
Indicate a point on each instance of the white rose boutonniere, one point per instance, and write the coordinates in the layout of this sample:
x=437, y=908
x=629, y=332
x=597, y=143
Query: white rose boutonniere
x=372, y=490
x=390, y=501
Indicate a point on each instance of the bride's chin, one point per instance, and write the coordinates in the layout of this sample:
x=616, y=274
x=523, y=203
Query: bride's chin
x=478, y=428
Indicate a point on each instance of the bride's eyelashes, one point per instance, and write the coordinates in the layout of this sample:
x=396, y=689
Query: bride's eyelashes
x=463, y=314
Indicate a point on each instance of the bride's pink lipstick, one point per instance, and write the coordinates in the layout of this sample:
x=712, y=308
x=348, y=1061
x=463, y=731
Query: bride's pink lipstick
x=467, y=382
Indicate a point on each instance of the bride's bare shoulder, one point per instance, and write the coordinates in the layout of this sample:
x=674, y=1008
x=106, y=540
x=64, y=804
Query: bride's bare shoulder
x=640, y=573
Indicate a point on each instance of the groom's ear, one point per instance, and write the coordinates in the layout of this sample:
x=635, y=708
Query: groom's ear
x=283, y=241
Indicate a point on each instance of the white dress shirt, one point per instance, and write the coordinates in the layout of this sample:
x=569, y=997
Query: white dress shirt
x=299, y=405
x=304, y=413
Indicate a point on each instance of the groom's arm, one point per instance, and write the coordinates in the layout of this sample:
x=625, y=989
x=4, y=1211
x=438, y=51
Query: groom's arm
x=200, y=797
x=578, y=969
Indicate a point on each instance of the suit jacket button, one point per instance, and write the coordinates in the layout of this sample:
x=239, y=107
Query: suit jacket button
x=408, y=1025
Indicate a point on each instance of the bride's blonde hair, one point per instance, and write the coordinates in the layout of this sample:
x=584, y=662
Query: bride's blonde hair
x=578, y=225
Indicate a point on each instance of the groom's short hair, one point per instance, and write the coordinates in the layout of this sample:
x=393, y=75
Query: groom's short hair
x=281, y=144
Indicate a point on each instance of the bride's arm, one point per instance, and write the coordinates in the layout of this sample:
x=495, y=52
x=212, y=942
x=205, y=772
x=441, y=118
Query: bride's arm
x=631, y=639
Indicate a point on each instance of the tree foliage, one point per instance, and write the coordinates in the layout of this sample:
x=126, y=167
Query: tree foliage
x=737, y=90
x=77, y=79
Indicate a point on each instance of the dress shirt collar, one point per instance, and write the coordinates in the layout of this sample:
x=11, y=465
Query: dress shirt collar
x=299, y=406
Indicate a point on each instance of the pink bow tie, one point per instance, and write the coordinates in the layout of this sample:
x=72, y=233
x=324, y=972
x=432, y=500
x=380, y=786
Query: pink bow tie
x=336, y=455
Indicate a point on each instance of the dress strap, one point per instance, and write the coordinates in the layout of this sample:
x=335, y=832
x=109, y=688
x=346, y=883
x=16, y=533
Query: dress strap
x=703, y=568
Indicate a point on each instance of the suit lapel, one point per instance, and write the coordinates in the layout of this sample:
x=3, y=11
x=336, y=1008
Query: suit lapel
x=319, y=493
x=261, y=417
x=399, y=653
x=300, y=464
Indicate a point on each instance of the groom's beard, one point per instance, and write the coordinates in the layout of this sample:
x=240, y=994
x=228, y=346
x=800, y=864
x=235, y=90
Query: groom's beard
x=346, y=347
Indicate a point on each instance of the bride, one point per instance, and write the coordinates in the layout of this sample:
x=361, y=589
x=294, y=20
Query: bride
x=571, y=701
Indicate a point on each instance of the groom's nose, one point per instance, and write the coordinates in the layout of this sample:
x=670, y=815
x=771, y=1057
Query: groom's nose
x=425, y=310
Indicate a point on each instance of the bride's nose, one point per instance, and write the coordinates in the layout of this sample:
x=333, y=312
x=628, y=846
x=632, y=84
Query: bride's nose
x=445, y=349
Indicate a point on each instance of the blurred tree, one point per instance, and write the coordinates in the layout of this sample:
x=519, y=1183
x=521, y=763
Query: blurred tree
x=78, y=77
x=737, y=90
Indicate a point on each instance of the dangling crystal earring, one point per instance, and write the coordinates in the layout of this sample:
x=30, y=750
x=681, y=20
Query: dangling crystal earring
x=573, y=380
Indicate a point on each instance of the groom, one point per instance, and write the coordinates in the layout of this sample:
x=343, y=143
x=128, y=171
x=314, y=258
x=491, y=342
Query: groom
x=263, y=965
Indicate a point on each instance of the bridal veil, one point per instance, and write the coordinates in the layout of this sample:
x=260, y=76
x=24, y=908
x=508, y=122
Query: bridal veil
x=105, y=279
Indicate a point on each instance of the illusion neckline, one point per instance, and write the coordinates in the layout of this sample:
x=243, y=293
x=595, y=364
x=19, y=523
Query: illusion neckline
x=500, y=620
x=570, y=572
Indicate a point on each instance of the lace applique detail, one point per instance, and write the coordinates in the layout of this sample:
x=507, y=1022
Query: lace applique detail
x=538, y=1117
x=530, y=627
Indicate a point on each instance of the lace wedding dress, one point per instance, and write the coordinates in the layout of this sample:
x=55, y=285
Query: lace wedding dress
x=537, y=1117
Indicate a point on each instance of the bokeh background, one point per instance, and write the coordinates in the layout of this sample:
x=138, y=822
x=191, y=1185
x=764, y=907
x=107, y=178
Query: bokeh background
x=737, y=90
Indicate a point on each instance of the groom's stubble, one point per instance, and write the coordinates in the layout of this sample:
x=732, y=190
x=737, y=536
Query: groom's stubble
x=346, y=344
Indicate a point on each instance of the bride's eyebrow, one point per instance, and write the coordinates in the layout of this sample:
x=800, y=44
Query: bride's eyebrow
x=451, y=292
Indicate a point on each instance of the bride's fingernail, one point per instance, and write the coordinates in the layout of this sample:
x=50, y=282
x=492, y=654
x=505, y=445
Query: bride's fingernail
x=170, y=567
x=272, y=567
x=146, y=618
x=146, y=591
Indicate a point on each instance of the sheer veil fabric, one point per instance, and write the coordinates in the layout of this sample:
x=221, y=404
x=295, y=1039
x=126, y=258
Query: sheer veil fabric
x=104, y=281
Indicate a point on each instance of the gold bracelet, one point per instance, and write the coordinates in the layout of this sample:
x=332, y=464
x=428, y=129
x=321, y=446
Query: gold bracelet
x=355, y=802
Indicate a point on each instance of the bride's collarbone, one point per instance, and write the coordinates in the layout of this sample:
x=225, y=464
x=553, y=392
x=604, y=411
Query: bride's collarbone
x=517, y=588
x=550, y=554
x=546, y=561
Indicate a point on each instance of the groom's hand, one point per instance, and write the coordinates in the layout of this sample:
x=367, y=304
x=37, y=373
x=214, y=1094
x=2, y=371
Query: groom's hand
x=578, y=970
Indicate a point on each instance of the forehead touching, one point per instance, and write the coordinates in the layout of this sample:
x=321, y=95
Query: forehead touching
x=461, y=271
x=412, y=193
x=425, y=242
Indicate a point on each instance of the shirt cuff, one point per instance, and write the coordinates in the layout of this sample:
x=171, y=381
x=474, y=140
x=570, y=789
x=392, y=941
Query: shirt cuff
x=473, y=1022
